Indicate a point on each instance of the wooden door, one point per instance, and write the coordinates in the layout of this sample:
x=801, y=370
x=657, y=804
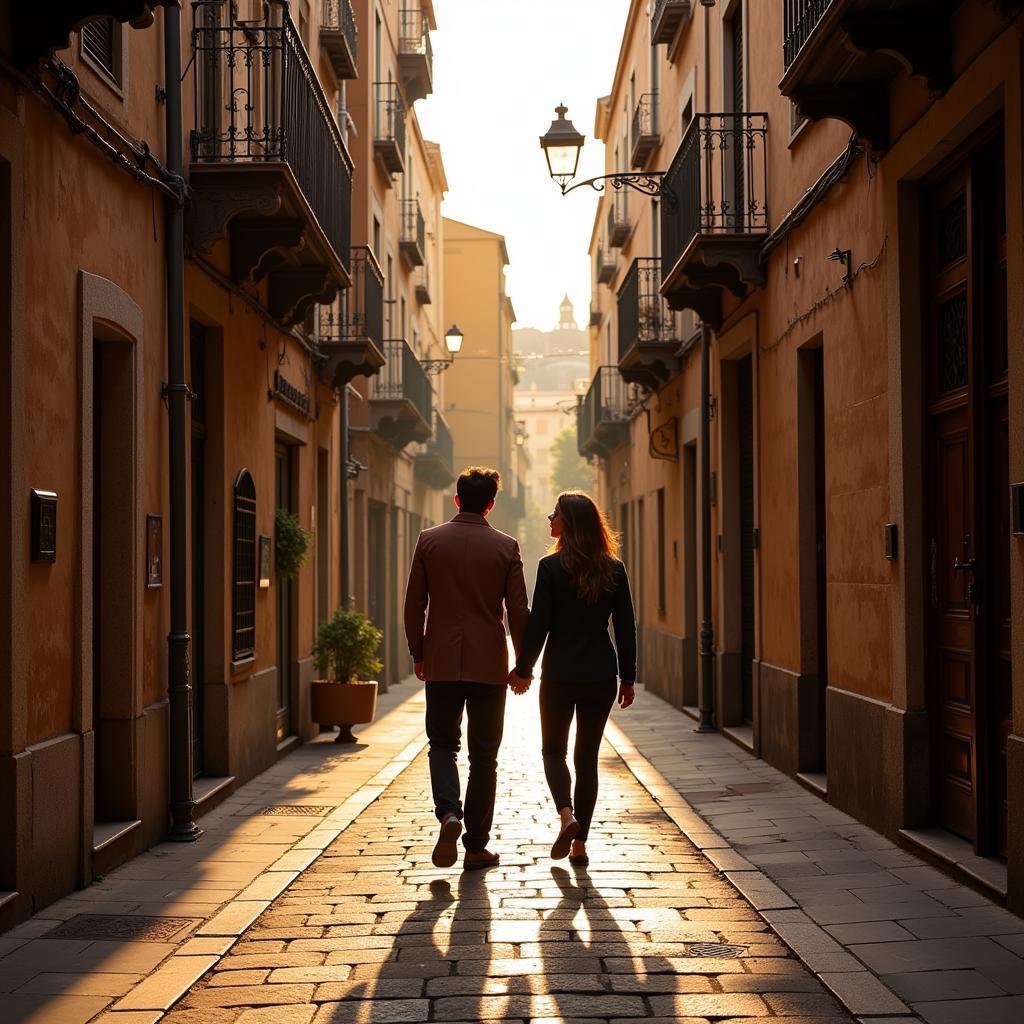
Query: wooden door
x=285, y=499
x=968, y=464
x=745, y=410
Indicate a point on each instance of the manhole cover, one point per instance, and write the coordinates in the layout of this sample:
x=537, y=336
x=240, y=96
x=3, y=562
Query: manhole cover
x=298, y=810
x=110, y=926
x=716, y=949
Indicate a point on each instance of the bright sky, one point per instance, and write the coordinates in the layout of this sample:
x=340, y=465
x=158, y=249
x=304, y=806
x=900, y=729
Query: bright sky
x=499, y=71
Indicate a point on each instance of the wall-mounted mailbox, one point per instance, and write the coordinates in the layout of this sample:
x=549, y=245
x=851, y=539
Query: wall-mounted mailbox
x=44, y=526
x=892, y=541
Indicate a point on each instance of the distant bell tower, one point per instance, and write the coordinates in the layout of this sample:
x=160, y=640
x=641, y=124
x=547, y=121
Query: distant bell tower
x=565, y=317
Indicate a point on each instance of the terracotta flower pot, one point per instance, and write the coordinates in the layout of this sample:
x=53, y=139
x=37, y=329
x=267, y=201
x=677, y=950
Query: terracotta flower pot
x=343, y=704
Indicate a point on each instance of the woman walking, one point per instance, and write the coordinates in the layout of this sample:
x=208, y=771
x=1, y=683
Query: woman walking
x=579, y=588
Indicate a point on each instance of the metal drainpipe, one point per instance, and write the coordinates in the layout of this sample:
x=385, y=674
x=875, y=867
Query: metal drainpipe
x=707, y=629
x=344, y=489
x=179, y=690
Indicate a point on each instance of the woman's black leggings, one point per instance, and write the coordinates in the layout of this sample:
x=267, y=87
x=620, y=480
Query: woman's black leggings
x=591, y=703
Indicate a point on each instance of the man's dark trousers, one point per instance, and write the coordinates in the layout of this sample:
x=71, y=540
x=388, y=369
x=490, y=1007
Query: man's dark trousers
x=485, y=714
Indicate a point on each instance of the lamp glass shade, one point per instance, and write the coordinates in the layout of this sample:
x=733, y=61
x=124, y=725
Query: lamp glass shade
x=453, y=339
x=562, y=145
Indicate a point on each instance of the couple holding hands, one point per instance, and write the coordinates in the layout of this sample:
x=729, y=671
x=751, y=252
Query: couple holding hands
x=465, y=578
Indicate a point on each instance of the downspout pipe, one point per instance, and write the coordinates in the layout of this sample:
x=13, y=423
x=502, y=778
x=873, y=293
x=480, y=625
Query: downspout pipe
x=343, y=512
x=706, y=722
x=176, y=392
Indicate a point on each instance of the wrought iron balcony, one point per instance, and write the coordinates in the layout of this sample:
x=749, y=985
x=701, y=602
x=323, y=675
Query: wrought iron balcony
x=401, y=397
x=413, y=242
x=647, y=337
x=666, y=18
x=415, y=53
x=841, y=55
x=423, y=285
x=389, y=127
x=339, y=36
x=715, y=218
x=351, y=336
x=606, y=265
x=269, y=167
x=602, y=419
x=619, y=226
x=646, y=137
x=595, y=316
x=435, y=462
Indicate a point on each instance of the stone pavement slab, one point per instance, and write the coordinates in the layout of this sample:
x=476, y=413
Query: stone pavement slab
x=217, y=885
x=891, y=937
x=371, y=931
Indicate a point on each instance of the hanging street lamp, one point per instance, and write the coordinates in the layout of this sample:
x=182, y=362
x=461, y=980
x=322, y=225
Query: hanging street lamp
x=453, y=339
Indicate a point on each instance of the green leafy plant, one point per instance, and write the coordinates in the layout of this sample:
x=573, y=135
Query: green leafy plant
x=346, y=647
x=291, y=544
x=569, y=470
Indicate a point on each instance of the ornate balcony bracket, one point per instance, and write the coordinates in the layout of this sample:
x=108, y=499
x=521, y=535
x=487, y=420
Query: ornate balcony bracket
x=259, y=246
x=651, y=371
x=724, y=264
x=342, y=361
x=705, y=302
x=38, y=30
x=293, y=291
x=921, y=41
x=214, y=206
x=864, y=108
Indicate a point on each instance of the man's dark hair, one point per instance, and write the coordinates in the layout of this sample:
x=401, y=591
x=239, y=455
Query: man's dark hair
x=476, y=488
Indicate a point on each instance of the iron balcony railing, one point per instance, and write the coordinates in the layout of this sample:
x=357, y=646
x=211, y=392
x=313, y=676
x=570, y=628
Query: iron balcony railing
x=718, y=181
x=644, y=316
x=258, y=100
x=441, y=444
x=403, y=379
x=338, y=16
x=389, y=122
x=358, y=313
x=645, y=118
x=605, y=405
x=414, y=34
x=414, y=228
x=800, y=19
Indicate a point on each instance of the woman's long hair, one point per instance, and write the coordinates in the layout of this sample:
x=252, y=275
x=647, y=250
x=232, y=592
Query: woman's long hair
x=588, y=548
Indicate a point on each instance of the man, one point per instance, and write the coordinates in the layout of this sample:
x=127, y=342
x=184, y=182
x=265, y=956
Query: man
x=466, y=571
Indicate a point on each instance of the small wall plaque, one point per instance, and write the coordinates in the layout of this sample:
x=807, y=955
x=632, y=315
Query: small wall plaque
x=892, y=541
x=154, y=552
x=264, y=561
x=1017, y=509
x=44, y=526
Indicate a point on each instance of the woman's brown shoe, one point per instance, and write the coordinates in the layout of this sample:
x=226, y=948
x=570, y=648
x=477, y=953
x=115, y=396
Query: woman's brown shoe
x=479, y=860
x=578, y=855
x=561, y=845
x=446, y=850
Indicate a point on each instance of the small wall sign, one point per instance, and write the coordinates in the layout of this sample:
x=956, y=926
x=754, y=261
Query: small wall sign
x=44, y=526
x=664, y=440
x=154, y=552
x=264, y=561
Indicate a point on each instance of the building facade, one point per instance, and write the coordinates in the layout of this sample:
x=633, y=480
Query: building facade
x=479, y=387
x=173, y=402
x=839, y=230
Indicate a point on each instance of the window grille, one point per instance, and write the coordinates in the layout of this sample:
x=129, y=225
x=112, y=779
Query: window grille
x=243, y=603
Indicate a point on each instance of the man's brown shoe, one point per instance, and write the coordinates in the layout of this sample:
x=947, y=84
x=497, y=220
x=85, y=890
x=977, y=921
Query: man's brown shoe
x=479, y=860
x=446, y=850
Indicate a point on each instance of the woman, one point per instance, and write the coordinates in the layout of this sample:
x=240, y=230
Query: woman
x=579, y=587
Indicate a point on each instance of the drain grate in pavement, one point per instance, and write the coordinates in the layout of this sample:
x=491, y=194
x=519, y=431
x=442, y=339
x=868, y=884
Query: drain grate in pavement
x=111, y=926
x=716, y=949
x=297, y=810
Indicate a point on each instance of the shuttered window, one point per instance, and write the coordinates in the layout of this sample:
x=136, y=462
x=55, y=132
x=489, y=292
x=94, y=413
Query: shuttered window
x=101, y=43
x=243, y=589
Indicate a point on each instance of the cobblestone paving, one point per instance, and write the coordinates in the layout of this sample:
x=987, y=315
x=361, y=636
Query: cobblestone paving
x=372, y=932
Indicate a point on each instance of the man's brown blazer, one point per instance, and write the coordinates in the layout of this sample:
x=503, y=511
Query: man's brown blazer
x=468, y=573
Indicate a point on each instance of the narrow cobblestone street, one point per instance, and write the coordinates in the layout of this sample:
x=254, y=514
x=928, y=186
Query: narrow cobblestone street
x=372, y=932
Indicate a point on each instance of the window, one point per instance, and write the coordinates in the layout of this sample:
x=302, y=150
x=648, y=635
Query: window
x=243, y=585
x=376, y=238
x=101, y=47
x=796, y=119
x=661, y=550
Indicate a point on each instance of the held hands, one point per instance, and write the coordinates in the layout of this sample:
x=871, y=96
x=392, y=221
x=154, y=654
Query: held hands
x=625, y=696
x=517, y=684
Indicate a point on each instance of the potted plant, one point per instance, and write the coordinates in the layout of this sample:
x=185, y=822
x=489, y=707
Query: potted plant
x=291, y=544
x=345, y=654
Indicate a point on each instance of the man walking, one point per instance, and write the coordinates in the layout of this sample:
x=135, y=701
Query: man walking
x=466, y=572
